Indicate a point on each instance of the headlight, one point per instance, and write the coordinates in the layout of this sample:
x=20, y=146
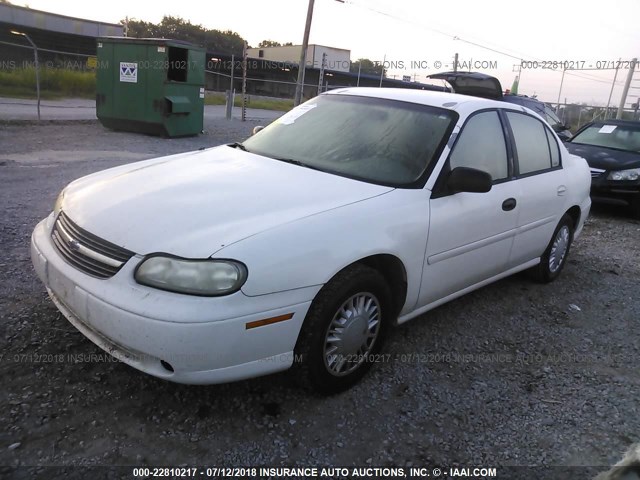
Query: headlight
x=629, y=175
x=194, y=277
x=58, y=205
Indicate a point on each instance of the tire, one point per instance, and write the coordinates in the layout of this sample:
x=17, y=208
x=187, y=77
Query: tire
x=356, y=297
x=553, y=261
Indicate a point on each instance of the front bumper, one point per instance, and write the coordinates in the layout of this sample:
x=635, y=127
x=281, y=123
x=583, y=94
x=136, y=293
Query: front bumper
x=615, y=192
x=203, y=340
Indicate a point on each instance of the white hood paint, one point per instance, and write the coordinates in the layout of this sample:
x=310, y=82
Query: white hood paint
x=192, y=205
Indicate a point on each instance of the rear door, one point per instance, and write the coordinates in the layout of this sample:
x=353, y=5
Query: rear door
x=542, y=182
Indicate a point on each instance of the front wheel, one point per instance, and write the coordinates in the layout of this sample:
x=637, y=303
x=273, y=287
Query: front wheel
x=555, y=256
x=344, y=330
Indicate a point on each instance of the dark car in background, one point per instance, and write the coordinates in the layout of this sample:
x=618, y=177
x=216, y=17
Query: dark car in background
x=485, y=86
x=612, y=150
x=542, y=109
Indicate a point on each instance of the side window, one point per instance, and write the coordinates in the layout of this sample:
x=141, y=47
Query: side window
x=481, y=145
x=553, y=148
x=531, y=142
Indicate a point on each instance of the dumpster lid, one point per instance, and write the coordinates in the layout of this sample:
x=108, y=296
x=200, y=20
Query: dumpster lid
x=150, y=41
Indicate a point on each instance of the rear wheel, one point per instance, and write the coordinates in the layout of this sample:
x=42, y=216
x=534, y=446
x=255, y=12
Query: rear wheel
x=555, y=256
x=344, y=330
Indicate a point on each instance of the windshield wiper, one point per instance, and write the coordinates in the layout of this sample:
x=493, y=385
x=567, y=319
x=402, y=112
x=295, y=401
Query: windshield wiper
x=281, y=159
x=238, y=145
x=296, y=162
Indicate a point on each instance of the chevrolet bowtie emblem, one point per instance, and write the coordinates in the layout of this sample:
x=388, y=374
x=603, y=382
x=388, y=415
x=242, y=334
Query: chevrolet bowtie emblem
x=74, y=245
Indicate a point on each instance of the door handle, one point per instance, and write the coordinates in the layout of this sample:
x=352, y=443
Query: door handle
x=562, y=190
x=509, y=204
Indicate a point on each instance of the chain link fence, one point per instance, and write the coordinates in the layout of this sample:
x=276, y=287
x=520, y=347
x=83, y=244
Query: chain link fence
x=575, y=115
x=68, y=73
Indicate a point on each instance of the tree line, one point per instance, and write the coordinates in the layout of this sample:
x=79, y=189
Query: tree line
x=176, y=28
x=223, y=41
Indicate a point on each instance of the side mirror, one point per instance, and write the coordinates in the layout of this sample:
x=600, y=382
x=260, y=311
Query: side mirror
x=464, y=179
x=256, y=129
x=564, y=135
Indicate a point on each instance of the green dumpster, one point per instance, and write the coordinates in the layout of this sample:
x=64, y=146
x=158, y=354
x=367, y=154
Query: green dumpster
x=150, y=85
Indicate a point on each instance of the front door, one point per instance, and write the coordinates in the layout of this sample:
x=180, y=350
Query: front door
x=471, y=234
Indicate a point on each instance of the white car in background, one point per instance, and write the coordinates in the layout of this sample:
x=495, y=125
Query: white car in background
x=360, y=209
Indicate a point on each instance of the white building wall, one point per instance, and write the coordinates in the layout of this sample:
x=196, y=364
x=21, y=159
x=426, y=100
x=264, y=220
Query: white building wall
x=337, y=58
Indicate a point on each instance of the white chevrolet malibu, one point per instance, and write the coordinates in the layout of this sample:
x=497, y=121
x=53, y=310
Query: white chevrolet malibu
x=359, y=210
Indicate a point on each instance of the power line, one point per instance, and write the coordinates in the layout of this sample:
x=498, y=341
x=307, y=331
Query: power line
x=485, y=47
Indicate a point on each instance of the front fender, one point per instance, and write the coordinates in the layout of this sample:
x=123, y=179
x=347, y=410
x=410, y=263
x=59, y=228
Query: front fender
x=310, y=251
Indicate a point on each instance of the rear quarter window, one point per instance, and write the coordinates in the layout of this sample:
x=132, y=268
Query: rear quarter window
x=553, y=148
x=533, y=144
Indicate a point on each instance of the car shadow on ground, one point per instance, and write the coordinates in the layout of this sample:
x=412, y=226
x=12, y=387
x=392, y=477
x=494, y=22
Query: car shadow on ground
x=613, y=211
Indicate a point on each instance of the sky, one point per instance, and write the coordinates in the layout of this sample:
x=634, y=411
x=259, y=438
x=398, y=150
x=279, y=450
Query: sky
x=492, y=36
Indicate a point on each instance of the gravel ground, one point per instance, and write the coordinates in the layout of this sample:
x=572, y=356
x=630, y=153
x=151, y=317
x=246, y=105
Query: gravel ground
x=513, y=374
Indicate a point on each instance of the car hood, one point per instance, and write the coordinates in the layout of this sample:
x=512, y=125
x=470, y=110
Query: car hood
x=605, y=158
x=191, y=205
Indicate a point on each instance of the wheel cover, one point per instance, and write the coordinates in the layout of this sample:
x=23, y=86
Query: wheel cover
x=559, y=249
x=352, y=334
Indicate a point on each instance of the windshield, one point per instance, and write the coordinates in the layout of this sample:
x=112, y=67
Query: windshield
x=376, y=140
x=620, y=137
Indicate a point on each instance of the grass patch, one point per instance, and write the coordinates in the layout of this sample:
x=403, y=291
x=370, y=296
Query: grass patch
x=280, y=104
x=54, y=83
x=215, y=99
x=61, y=83
x=27, y=93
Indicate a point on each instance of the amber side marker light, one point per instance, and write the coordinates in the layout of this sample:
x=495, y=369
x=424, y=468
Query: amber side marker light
x=268, y=321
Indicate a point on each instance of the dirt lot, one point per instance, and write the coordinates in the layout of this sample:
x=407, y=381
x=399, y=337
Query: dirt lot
x=514, y=374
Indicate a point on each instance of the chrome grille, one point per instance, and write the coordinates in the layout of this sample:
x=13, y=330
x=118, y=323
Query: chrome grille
x=596, y=172
x=87, y=252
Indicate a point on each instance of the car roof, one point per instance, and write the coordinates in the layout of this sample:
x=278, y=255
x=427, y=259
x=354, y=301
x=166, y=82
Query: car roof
x=463, y=104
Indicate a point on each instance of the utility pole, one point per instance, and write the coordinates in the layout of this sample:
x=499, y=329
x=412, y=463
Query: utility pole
x=359, y=68
x=613, y=84
x=321, y=74
x=230, y=95
x=625, y=91
x=382, y=70
x=516, y=82
x=303, y=56
x=244, y=82
x=455, y=63
x=560, y=91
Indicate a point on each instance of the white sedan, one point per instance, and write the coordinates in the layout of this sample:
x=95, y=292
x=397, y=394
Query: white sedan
x=359, y=210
